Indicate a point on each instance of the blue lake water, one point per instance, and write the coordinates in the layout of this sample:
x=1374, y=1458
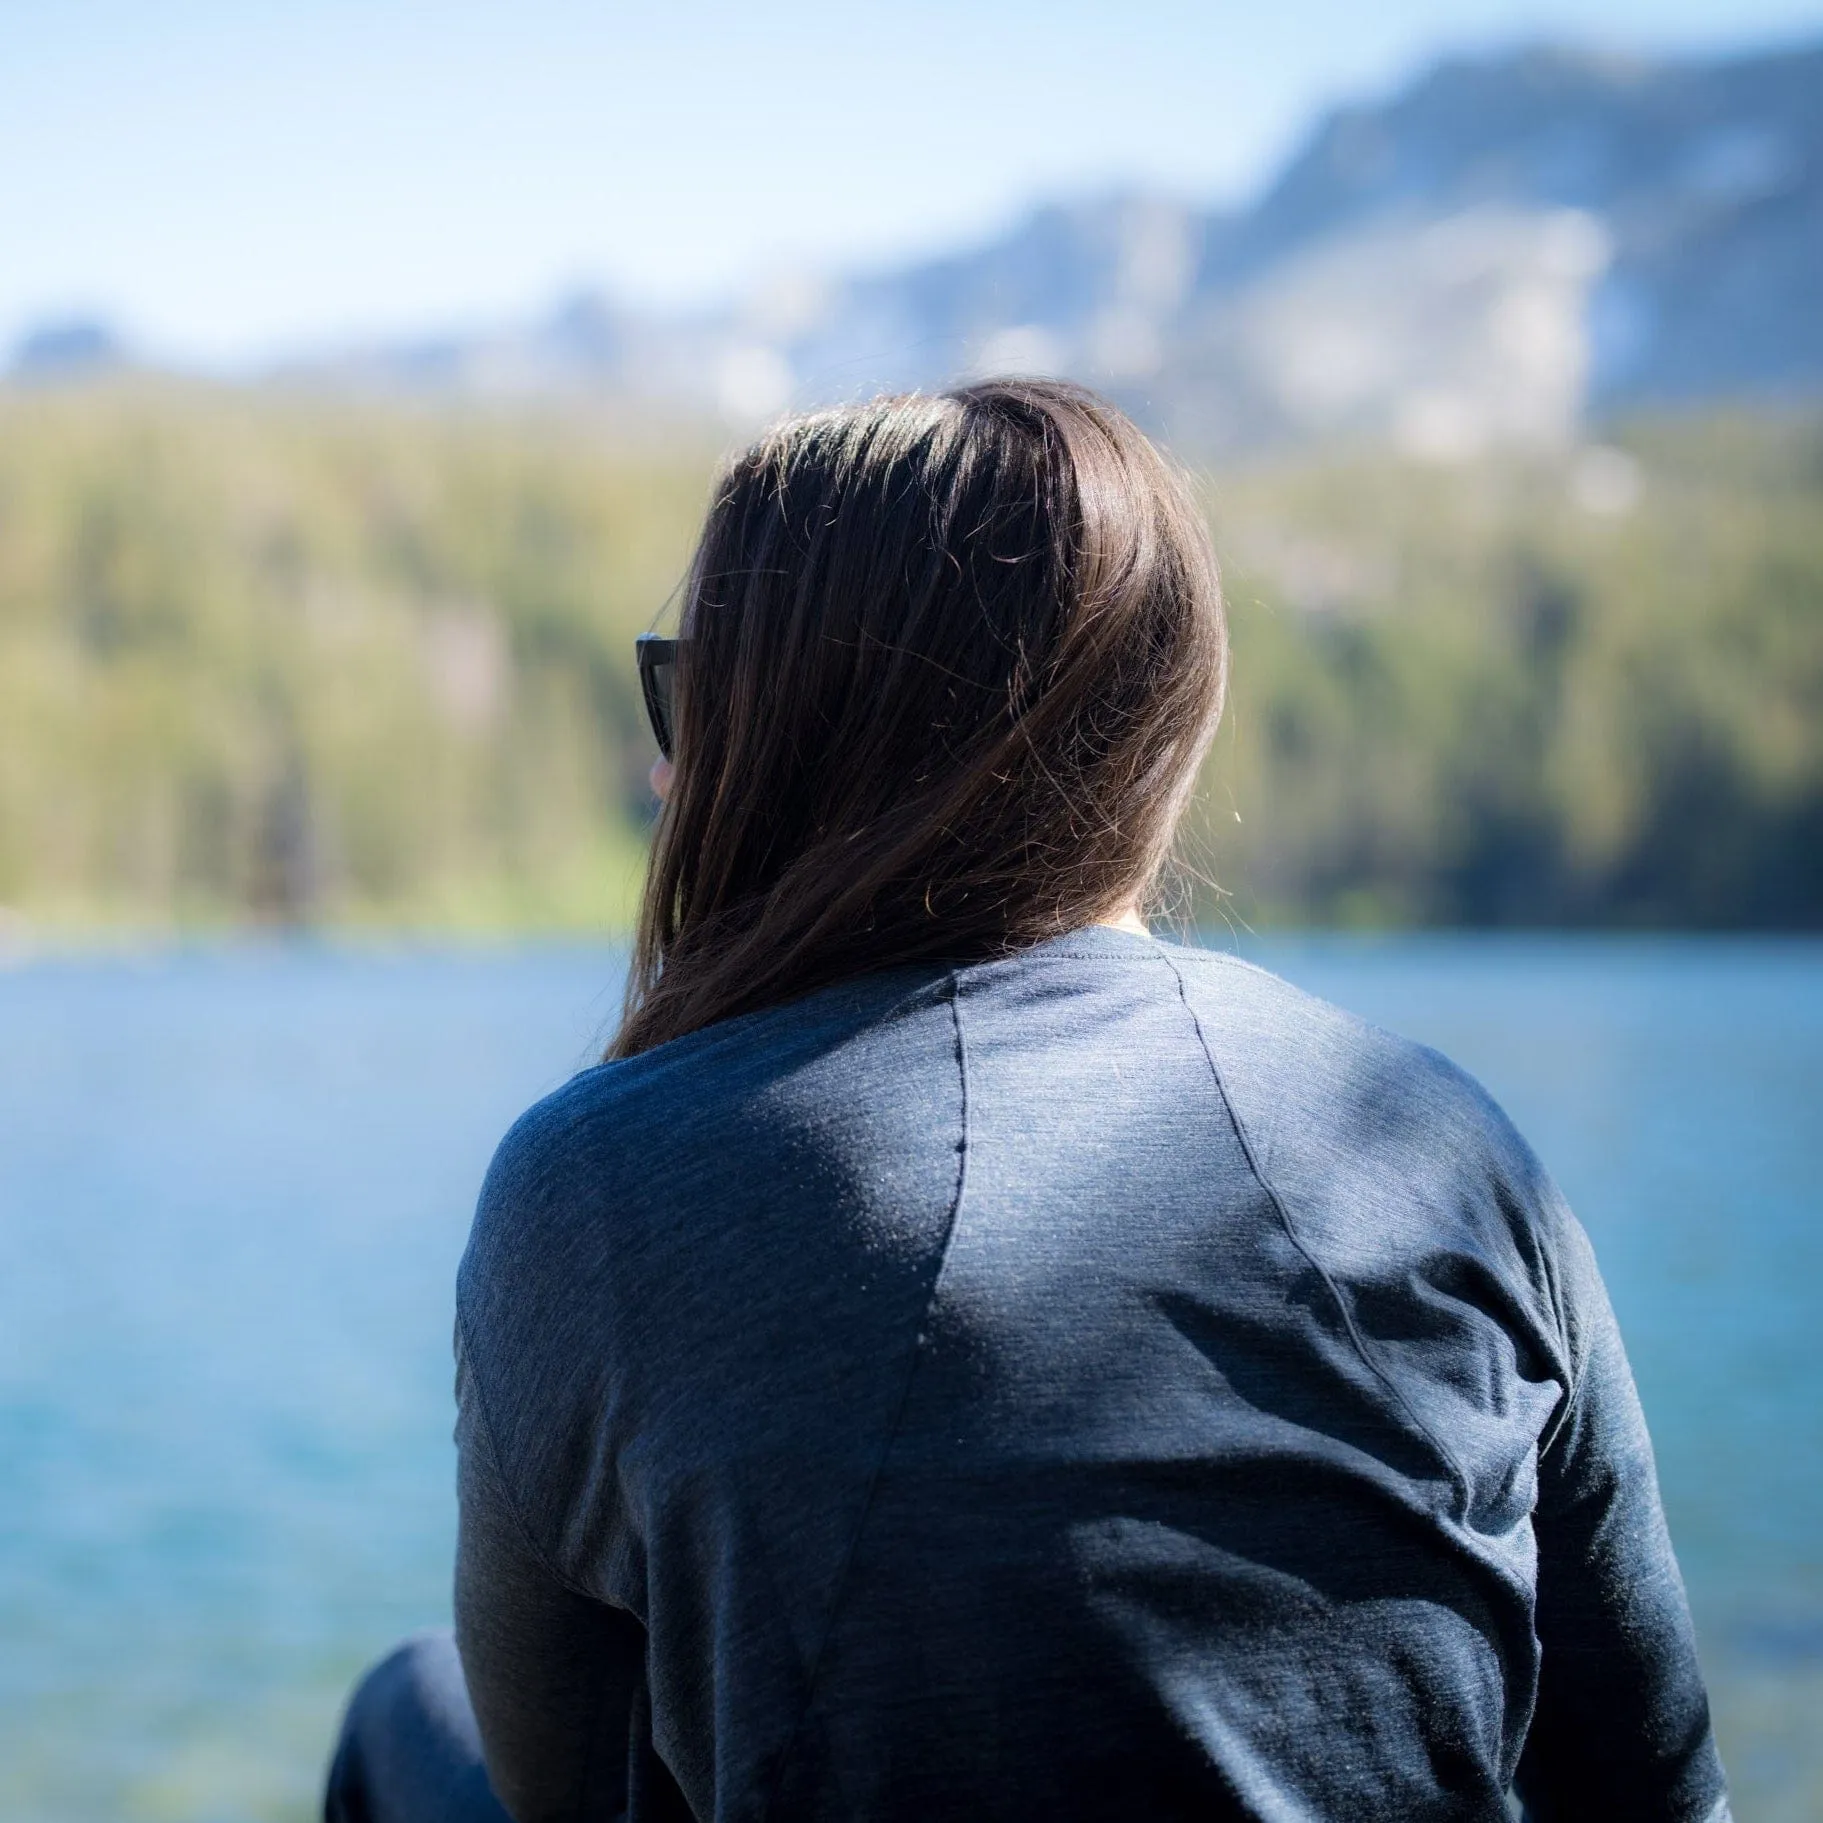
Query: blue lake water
x=234, y=1185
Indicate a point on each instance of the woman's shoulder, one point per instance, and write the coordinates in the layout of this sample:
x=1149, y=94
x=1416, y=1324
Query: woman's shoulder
x=1365, y=1132
x=644, y=1132
x=1305, y=1057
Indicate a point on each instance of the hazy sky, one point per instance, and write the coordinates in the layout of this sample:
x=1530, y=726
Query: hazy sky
x=229, y=179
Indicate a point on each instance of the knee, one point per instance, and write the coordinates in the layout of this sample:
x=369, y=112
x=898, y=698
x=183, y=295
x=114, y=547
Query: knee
x=417, y=1685
x=409, y=1747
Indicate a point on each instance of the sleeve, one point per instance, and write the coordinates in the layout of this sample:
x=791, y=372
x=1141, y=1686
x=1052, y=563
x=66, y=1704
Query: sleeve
x=1621, y=1726
x=557, y=1678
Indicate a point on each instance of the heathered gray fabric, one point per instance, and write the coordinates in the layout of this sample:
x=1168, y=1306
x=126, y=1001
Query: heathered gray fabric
x=1106, y=1383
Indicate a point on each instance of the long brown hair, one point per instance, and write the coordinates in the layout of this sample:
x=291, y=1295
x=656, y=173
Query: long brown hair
x=949, y=664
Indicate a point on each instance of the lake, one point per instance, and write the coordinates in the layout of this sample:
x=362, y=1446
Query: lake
x=235, y=1182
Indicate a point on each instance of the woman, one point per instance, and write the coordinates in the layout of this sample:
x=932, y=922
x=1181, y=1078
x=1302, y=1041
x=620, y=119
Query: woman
x=962, y=1358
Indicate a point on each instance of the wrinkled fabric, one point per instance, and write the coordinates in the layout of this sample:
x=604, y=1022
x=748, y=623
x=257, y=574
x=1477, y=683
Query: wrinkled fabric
x=1102, y=1383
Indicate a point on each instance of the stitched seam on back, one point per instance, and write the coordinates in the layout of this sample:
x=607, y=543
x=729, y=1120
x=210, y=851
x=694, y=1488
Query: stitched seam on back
x=1457, y=1474
x=485, y=1425
x=898, y=1418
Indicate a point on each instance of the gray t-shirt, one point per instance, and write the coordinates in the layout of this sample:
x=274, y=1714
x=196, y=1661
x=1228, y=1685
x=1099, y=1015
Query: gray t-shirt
x=1103, y=1383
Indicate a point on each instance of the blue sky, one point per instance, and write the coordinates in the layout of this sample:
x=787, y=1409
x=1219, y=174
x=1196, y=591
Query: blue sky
x=227, y=181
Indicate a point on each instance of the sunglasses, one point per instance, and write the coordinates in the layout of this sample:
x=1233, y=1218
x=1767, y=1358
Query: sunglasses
x=657, y=661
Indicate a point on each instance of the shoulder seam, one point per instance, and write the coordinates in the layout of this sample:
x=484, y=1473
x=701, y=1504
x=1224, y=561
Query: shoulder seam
x=1359, y=1341
x=814, y=1670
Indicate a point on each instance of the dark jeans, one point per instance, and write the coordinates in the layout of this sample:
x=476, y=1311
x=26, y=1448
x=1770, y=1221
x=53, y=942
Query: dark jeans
x=410, y=1752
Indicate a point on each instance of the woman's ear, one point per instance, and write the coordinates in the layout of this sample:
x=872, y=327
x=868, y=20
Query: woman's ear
x=660, y=776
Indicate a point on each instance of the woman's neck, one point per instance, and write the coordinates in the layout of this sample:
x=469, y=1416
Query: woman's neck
x=1127, y=918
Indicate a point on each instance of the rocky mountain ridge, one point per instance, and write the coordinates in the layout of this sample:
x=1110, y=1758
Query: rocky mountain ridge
x=1504, y=248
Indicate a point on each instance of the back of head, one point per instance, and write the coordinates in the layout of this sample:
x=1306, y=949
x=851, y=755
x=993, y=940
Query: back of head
x=949, y=664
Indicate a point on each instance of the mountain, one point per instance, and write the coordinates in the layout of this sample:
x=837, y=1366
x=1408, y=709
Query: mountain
x=1506, y=247
x=63, y=348
x=1624, y=233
